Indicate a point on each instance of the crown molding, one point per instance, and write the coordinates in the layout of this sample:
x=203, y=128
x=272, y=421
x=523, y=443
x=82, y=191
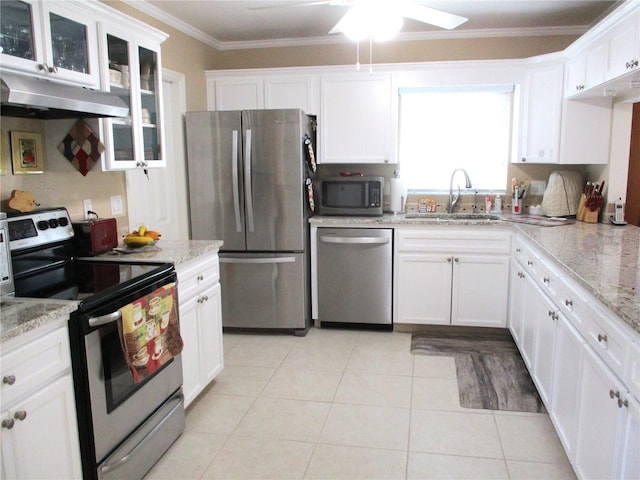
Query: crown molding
x=172, y=21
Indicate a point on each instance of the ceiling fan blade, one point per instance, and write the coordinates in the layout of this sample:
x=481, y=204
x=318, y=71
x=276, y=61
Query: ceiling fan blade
x=432, y=16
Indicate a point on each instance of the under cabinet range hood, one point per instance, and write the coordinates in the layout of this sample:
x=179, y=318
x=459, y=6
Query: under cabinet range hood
x=31, y=97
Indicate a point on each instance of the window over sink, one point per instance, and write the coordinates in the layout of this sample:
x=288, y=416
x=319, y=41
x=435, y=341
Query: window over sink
x=444, y=128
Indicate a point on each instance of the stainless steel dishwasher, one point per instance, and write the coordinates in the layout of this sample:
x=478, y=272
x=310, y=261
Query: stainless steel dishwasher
x=354, y=275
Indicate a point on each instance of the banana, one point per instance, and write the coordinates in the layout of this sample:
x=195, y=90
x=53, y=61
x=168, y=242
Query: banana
x=142, y=229
x=137, y=240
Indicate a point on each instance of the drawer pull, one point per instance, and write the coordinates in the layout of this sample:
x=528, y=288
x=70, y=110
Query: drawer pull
x=517, y=250
x=449, y=259
x=20, y=415
x=602, y=338
x=530, y=263
x=200, y=278
x=568, y=303
x=9, y=379
x=545, y=279
x=623, y=403
x=614, y=394
x=8, y=423
x=551, y=313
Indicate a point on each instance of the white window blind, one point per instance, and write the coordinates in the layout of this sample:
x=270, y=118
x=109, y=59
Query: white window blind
x=442, y=129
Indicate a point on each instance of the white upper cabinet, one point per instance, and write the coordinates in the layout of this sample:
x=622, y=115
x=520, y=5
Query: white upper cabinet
x=293, y=92
x=623, y=47
x=358, y=114
x=585, y=70
x=50, y=39
x=133, y=72
x=244, y=93
x=540, y=134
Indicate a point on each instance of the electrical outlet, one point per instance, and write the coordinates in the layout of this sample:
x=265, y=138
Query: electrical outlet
x=86, y=206
x=116, y=205
x=538, y=187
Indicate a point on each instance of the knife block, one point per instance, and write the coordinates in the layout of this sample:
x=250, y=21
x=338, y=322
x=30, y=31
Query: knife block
x=581, y=208
x=589, y=216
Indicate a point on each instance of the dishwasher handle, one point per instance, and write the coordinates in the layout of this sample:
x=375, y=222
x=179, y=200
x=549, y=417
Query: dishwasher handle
x=354, y=240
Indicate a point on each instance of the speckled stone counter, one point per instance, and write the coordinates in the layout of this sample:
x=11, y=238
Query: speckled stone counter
x=603, y=258
x=169, y=251
x=21, y=315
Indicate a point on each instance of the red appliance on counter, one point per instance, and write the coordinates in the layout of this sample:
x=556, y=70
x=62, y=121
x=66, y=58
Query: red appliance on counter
x=95, y=236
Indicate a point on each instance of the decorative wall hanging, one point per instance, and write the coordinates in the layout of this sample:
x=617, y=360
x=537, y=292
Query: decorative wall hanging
x=26, y=153
x=3, y=154
x=81, y=147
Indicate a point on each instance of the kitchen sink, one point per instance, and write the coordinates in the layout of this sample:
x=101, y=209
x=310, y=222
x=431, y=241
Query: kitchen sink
x=454, y=216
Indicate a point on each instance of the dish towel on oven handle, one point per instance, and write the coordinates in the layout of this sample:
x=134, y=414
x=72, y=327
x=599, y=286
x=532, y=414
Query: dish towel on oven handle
x=150, y=331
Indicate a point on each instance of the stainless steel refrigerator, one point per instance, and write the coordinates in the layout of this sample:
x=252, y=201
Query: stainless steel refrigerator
x=250, y=180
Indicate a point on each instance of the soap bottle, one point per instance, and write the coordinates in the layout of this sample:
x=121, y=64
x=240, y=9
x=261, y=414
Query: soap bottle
x=619, y=210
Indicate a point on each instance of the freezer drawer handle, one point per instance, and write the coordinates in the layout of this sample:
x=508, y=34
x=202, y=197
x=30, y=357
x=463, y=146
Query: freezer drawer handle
x=258, y=260
x=247, y=180
x=360, y=240
x=104, y=319
x=125, y=458
x=236, y=185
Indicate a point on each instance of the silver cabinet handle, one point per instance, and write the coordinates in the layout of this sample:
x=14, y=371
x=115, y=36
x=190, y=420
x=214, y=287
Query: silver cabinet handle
x=20, y=415
x=602, y=338
x=545, y=280
x=354, y=240
x=456, y=259
x=8, y=423
x=200, y=278
x=236, y=184
x=623, y=403
x=247, y=180
x=568, y=303
x=449, y=259
x=9, y=379
x=258, y=260
x=104, y=319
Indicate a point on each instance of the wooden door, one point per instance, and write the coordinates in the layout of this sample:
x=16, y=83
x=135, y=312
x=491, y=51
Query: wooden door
x=632, y=212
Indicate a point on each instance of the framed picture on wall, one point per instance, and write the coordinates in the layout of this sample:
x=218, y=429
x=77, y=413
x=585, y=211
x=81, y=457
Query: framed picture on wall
x=3, y=153
x=26, y=153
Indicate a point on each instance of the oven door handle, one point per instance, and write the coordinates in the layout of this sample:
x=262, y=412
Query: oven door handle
x=105, y=319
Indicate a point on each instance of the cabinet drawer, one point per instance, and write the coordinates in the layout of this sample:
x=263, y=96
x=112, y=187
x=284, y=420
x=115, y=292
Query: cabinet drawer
x=450, y=240
x=573, y=301
x=196, y=274
x=609, y=341
x=28, y=366
x=528, y=257
x=548, y=278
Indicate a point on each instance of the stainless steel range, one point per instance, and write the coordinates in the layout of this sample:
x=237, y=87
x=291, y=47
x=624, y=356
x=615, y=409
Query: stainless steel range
x=124, y=426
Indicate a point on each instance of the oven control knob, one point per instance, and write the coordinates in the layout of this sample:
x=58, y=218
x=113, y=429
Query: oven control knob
x=43, y=225
x=63, y=221
x=53, y=223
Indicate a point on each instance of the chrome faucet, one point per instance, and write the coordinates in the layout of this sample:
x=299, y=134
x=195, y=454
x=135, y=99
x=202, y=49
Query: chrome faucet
x=453, y=199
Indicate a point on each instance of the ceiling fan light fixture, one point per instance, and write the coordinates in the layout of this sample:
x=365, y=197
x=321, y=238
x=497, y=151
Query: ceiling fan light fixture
x=370, y=21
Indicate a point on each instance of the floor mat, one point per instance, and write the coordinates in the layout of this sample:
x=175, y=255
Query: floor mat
x=491, y=373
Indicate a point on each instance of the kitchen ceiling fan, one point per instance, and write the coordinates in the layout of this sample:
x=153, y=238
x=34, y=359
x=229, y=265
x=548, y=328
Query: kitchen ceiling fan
x=382, y=19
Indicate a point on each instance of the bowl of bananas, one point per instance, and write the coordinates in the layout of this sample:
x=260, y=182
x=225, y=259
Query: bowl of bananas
x=142, y=237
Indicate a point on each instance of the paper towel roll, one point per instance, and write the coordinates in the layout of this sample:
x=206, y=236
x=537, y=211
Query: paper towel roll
x=396, y=195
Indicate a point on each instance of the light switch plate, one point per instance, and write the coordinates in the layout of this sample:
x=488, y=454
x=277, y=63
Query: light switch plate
x=116, y=205
x=538, y=187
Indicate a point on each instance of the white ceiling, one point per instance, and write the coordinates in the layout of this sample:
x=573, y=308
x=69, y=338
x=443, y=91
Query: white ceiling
x=228, y=24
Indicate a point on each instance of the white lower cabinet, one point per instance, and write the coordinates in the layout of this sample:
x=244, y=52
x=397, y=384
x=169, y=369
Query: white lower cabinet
x=566, y=381
x=451, y=277
x=39, y=434
x=200, y=324
x=600, y=419
x=581, y=359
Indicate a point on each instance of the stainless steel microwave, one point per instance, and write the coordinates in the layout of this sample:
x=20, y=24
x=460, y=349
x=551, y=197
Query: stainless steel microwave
x=352, y=195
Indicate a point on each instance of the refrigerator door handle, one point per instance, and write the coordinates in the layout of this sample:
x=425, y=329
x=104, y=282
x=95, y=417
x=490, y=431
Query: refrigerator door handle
x=236, y=185
x=247, y=180
x=258, y=260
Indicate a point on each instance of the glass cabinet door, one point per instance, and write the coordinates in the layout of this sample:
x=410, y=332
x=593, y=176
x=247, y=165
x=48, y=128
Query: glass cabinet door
x=121, y=130
x=150, y=104
x=17, y=30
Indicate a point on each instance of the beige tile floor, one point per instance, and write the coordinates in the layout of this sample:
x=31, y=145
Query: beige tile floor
x=349, y=404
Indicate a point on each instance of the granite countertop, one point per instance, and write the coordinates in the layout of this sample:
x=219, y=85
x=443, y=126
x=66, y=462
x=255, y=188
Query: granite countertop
x=20, y=315
x=169, y=251
x=603, y=258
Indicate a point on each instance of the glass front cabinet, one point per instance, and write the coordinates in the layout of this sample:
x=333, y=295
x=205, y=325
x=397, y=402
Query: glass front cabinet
x=50, y=39
x=133, y=73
